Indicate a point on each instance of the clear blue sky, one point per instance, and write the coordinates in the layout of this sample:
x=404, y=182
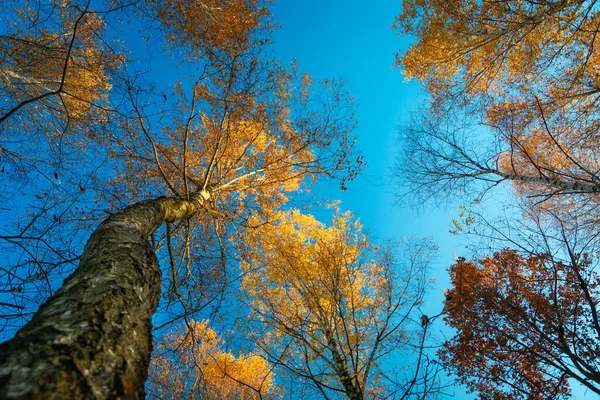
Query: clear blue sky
x=353, y=41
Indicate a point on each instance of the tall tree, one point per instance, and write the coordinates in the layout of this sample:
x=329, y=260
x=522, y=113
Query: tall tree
x=514, y=99
x=70, y=89
x=93, y=337
x=246, y=135
x=330, y=307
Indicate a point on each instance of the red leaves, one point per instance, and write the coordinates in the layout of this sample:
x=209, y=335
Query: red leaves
x=523, y=324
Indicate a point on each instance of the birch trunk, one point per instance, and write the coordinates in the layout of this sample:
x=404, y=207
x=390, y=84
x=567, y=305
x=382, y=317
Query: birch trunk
x=93, y=338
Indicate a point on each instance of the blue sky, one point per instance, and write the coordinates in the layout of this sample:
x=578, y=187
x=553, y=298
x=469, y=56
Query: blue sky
x=353, y=41
x=345, y=40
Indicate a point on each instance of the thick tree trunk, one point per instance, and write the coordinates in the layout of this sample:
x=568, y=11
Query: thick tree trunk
x=93, y=338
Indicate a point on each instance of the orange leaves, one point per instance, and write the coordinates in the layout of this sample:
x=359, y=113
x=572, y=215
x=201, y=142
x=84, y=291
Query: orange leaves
x=528, y=69
x=542, y=141
x=249, y=130
x=64, y=55
x=237, y=378
x=243, y=158
x=327, y=299
x=487, y=47
x=519, y=322
x=317, y=266
x=525, y=71
x=218, y=24
x=253, y=146
x=193, y=365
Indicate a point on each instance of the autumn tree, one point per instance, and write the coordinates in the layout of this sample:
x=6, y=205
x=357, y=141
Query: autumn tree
x=499, y=51
x=55, y=83
x=524, y=325
x=228, y=146
x=247, y=135
x=513, y=99
x=192, y=364
x=70, y=93
x=330, y=308
x=525, y=72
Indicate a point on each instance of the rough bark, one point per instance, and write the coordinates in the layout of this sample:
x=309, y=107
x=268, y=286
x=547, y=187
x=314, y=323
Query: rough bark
x=341, y=369
x=93, y=338
x=573, y=186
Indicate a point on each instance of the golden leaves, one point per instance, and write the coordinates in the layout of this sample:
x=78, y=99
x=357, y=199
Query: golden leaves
x=325, y=299
x=306, y=279
x=193, y=365
x=219, y=24
x=68, y=60
x=498, y=49
x=300, y=249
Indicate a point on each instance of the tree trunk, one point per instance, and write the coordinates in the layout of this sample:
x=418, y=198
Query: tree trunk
x=93, y=338
x=341, y=369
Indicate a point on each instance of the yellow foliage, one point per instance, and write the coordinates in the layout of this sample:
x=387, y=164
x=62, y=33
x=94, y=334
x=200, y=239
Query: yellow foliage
x=192, y=365
x=71, y=60
x=319, y=289
x=220, y=24
x=531, y=71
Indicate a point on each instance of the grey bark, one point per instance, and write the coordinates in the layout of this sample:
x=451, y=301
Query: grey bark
x=341, y=369
x=93, y=338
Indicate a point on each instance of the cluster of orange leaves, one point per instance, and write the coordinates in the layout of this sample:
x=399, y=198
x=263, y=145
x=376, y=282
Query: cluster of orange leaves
x=309, y=271
x=498, y=47
x=193, y=365
x=217, y=24
x=70, y=56
x=532, y=67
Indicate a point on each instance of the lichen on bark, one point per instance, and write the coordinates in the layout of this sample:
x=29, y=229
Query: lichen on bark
x=93, y=338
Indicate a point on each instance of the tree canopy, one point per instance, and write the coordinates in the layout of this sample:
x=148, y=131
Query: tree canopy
x=241, y=128
x=514, y=95
x=333, y=309
x=184, y=182
x=193, y=365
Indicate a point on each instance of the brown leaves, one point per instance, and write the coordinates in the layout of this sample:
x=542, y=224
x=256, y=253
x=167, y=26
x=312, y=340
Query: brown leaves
x=523, y=325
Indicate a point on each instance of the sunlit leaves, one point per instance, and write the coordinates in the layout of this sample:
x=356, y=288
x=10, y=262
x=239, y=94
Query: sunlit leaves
x=193, y=365
x=216, y=24
x=499, y=47
x=528, y=70
x=55, y=58
x=328, y=303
